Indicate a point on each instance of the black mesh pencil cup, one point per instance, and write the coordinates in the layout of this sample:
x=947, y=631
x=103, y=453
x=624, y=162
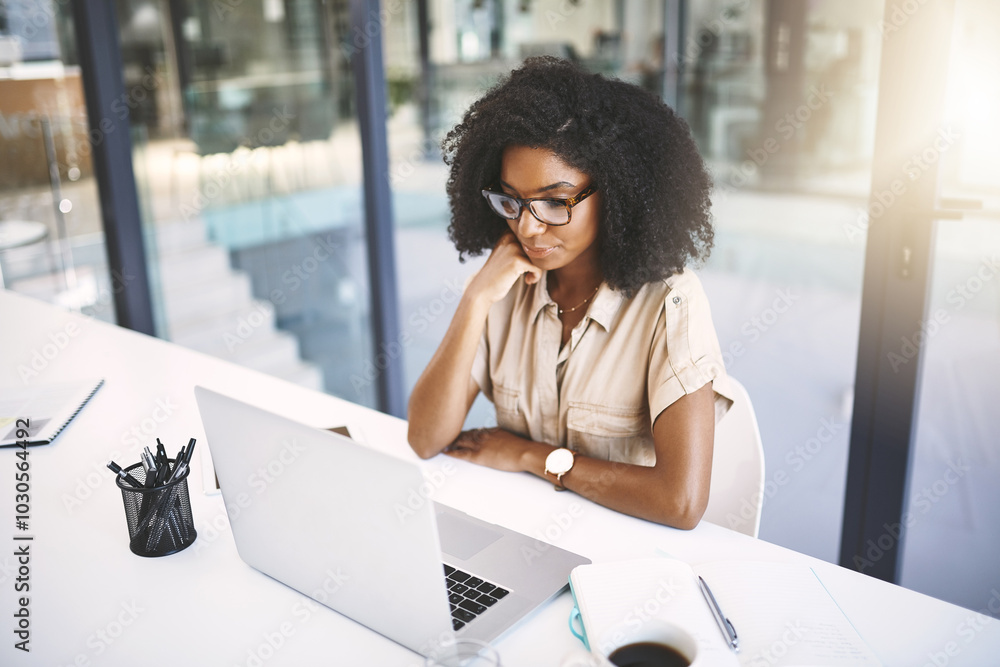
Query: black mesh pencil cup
x=159, y=518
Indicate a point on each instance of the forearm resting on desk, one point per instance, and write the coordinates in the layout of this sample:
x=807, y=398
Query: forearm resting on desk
x=673, y=492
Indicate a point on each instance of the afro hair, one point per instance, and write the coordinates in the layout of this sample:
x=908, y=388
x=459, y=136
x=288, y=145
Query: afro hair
x=655, y=215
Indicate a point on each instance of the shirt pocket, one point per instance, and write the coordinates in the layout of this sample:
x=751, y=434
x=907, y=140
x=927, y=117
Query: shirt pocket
x=610, y=433
x=510, y=416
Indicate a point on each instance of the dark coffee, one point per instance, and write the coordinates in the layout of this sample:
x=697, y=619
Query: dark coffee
x=648, y=654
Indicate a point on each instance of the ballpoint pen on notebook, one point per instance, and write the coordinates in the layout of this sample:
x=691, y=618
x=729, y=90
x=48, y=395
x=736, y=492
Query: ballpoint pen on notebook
x=728, y=631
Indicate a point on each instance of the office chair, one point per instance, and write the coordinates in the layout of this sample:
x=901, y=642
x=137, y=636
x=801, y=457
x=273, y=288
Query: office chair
x=737, y=491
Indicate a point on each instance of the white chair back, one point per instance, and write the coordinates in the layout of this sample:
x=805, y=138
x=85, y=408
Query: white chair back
x=737, y=491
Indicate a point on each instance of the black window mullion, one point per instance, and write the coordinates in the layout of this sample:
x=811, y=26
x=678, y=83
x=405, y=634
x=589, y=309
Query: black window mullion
x=369, y=80
x=898, y=269
x=111, y=154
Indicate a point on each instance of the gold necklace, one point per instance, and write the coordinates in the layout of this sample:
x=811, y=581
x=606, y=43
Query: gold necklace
x=570, y=310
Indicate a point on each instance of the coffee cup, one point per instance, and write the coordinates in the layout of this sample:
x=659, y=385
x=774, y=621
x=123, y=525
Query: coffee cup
x=654, y=644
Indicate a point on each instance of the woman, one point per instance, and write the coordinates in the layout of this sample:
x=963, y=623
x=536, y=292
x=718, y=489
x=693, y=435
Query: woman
x=583, y=328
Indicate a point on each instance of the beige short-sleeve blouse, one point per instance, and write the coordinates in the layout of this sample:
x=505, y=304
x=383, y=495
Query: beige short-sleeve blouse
x=625, y=362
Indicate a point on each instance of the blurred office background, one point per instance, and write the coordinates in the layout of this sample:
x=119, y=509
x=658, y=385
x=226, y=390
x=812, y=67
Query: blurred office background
x=247, y=158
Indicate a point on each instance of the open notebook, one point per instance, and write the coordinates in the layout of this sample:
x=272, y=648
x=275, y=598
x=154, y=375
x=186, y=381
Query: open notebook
x=782, y=612
x=48, y=408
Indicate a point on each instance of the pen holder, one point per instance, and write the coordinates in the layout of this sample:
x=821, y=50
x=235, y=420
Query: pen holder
x=159, y=518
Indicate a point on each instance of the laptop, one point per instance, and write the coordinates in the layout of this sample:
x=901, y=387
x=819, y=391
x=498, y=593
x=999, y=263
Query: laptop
x=353, y=528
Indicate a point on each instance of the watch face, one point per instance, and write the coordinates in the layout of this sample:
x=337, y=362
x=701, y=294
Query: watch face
x=559, y=461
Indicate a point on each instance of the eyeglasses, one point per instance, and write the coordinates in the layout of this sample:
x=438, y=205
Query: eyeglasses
x=554, y=212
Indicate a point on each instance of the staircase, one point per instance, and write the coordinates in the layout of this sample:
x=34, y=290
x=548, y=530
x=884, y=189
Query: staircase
x=209, y=307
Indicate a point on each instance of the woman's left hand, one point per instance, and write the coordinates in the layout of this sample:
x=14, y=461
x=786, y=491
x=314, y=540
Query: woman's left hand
x=492, y=447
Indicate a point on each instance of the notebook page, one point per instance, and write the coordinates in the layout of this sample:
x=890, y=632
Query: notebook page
x=50, y=407
x=784, y=616
x=620, y=598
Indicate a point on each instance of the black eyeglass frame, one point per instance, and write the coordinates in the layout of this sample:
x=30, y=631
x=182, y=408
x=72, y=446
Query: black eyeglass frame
x=526, y=203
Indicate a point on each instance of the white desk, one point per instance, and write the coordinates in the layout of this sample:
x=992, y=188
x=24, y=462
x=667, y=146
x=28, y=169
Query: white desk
x=94, y=602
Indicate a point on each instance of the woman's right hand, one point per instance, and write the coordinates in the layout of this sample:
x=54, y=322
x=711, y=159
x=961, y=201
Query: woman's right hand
x=506, y=263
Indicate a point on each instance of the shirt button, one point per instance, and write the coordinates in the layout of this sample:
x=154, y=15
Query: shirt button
x=677, y=300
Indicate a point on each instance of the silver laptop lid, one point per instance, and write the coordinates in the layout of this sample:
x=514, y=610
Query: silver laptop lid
x=321, y=514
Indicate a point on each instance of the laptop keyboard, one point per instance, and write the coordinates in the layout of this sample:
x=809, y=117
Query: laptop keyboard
x=469, y=596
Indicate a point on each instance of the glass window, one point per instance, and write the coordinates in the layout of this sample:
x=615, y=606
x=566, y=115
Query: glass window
x=782, y=99
x=783, y=108
x=249, y=166
x=953, y=508
x=51, y=239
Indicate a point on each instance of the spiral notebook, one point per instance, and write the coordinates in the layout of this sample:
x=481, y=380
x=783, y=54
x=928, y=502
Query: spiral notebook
x=44, y=410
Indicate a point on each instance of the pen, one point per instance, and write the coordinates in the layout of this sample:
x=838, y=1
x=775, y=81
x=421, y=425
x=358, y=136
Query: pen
x=728, y=631
x=190, y=450
x=117, y=469
x=178, y=471
x=148, y=464
x=161, y=453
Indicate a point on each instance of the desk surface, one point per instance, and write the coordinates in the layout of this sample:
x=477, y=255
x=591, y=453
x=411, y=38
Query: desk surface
x=93, y=602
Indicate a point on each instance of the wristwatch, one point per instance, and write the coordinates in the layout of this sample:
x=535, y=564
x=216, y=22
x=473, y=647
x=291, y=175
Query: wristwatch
x=559, y=462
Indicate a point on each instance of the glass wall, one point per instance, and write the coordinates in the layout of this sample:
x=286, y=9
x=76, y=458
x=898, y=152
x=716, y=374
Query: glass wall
x=249, y=166
x=51, y=239
x=781, y=98
x=953, y=508
x=469, y=46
